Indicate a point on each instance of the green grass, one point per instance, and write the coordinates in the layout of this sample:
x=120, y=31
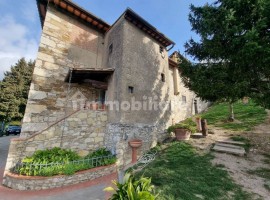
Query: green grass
x=246, y=116
x=179, y=172
x=263, y=172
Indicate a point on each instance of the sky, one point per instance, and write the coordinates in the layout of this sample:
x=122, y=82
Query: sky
x=20, y=28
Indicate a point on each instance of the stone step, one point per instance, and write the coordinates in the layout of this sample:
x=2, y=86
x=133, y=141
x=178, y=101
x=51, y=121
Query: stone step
x=229, y=145
x=197, y=135
x=239, y=152
x=230, y=142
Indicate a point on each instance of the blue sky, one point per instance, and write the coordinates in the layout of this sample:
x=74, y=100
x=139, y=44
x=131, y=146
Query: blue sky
x=20, y=28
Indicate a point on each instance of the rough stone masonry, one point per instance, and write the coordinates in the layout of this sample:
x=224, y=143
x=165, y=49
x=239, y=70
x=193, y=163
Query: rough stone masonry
x=82, y=58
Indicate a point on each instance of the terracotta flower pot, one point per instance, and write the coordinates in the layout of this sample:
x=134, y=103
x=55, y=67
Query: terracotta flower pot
x=95, y=106
x=182, y=134
x=103, y=107
x=135, y=144
x=199, y=123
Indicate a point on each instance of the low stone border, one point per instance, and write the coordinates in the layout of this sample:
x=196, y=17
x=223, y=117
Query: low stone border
x=20, y=182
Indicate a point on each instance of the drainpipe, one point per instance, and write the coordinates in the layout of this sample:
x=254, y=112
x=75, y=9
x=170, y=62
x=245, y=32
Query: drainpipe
x=172, y=45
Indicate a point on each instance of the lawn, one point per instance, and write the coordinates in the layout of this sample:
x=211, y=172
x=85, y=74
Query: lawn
x=179, y=172
x=246, y=116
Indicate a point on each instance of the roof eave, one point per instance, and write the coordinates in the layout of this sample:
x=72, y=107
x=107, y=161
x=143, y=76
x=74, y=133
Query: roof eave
x=142, y=24
x=74, y=10
x=42, y=9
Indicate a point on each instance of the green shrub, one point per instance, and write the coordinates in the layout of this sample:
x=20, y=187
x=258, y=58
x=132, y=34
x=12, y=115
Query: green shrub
x=50, y=171
x=54, y=155
x=187, y=124
x=82, y=166
x=133, y=189
x=189, y=121
x=100, y=153
x=32, y=166
x=69, y=169
x=58, y=161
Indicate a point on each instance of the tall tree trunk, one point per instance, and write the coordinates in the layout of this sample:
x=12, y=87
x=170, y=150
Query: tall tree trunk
x=231, y=115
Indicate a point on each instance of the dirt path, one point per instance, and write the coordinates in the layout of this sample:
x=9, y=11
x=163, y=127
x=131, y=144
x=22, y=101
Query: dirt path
x=260, y=137
x=238, y=167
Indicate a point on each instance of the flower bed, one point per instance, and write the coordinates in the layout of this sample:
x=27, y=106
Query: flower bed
x=58, y=161
x=58, y=167
x=20, y=182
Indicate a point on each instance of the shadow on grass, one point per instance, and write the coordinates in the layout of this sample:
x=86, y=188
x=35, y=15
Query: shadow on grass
x=180, y=173
x=263, y=172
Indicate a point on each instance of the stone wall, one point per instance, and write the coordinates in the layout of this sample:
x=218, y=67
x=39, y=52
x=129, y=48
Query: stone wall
x=142, y=66
x=65, y=43
x=183, y=109
x=115, y=37
x=118, y=135
x=50, y=120
x=82, y=131
x=40, y=183
x=138, y=63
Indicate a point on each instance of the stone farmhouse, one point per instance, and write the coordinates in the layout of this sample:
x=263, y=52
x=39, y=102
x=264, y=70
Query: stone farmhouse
x=98, y=85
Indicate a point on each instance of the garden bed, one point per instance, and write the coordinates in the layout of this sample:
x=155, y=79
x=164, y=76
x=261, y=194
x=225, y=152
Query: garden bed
x=57, y=161
x=21, y=182
x=56, y=167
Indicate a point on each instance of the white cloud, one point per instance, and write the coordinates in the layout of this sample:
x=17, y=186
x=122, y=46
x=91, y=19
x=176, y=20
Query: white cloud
x=14, y=43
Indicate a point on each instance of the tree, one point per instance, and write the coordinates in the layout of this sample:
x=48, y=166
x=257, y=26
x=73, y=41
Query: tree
x=212, y=83
x=233, y=51
x=14, y=90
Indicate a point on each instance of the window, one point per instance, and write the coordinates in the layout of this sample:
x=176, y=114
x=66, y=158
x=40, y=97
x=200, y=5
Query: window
x=161, y=49
x=110, y=48
x=196, y=106
x=184, y=99
x=130, y=89
x=162, y=77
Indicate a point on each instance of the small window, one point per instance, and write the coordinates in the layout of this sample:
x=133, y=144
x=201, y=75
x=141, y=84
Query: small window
x=110, y=48
x=130, y=89
x=161, y=49
x=184, y=99
x=163, y=77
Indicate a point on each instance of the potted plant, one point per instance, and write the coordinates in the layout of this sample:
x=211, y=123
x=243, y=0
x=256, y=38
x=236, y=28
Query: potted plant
x=198, y=119
x=183, y=130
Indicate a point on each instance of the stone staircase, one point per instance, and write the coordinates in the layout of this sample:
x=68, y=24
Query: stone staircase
x=80, y=131
x=229, y=146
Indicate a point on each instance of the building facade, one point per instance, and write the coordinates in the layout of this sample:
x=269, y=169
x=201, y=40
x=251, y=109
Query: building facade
x=99, y=85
